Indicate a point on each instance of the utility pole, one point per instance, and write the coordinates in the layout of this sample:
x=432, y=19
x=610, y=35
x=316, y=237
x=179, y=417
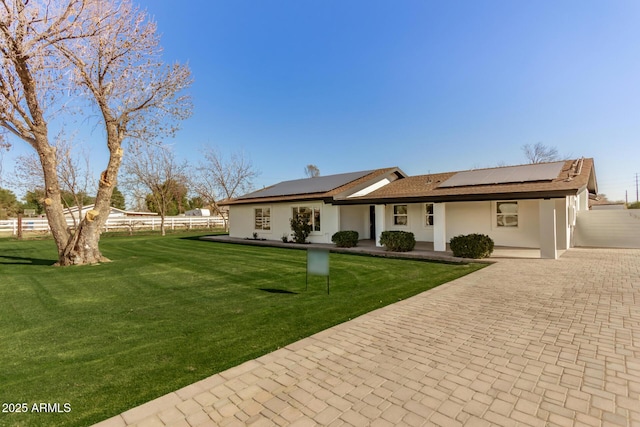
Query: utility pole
x=637, y=187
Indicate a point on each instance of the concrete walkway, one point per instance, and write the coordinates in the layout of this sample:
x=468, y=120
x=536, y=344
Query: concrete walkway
x=526, y=342
x=422, y=250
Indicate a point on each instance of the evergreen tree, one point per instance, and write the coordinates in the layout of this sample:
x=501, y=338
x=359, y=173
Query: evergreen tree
x=9, y=205
x=117, y=199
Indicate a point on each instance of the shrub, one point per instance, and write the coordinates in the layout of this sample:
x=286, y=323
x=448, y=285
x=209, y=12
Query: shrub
x=398, y=241
x=345, y=239
x=301, y=229
x=472, y=246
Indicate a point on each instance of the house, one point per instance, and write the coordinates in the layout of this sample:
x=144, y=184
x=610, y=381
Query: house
x=198, y=212
x=529, y=206
x=604, y=204
x=72, y=212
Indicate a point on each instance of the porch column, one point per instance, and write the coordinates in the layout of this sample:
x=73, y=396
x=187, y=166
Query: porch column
x=548, y=248
x=439, y=227
x=380, y=220
x=562, y=223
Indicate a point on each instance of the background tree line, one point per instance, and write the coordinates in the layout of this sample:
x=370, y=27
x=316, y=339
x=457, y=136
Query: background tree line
x=153, y=178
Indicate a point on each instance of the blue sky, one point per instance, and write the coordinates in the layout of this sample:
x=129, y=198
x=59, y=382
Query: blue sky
x=429, y=86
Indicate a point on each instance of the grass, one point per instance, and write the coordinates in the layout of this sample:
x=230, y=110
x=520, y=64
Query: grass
x=168, y=312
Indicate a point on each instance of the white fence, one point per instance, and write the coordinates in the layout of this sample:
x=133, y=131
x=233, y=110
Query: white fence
x=10, y=226
x=608, y=228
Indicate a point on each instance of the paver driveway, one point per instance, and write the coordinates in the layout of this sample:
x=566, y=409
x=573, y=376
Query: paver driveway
x=522, y=342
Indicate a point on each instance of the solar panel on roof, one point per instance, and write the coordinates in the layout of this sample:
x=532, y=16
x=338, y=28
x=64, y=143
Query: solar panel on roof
x=524, y=173
x=319, y=184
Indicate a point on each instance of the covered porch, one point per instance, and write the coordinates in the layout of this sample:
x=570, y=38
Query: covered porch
x=542, y=226
x=423, y=250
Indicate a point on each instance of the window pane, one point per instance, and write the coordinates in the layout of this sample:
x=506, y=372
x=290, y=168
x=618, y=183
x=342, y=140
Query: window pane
x=304, y=213
x=266, y=219
x=316, y=219
x=507, y=214
x=400, y=209
x=400, y=220
x=258, y=219
x=429, y=214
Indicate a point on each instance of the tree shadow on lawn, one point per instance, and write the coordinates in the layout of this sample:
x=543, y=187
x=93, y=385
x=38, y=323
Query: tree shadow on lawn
x=278, y=291
x=15, y=260
x=198, y=237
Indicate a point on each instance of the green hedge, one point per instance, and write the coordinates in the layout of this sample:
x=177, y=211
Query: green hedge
x=345, y=239
x=398, y=241
x=471, y=246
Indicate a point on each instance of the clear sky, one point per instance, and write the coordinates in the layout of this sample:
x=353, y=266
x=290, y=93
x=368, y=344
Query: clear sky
x=429, y=86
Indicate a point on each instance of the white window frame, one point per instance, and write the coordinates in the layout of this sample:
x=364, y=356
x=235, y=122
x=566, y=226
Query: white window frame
x=428, y=215
x=395, y=216
x=315, y=227
x=255, y=218
x=504, y=220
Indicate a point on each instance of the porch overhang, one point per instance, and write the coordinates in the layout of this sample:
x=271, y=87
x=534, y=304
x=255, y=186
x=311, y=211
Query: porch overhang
x=458, y=198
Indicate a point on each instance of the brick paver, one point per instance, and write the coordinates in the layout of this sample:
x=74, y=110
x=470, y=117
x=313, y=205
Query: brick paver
x=525, y=342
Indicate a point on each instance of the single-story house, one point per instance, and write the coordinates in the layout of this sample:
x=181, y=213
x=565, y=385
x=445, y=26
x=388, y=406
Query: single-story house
x=72, y=212
x=528, y=206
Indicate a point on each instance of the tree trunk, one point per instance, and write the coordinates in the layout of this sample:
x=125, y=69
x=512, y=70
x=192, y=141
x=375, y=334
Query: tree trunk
x=83, y=246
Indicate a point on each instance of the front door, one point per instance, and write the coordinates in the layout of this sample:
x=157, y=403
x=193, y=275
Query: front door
x=372, y=222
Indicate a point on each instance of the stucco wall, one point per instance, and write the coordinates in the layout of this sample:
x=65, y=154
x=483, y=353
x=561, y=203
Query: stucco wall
x=242, y=221
x=355, y=218
x=461, y=218
x=474, y=217
x=608, y=228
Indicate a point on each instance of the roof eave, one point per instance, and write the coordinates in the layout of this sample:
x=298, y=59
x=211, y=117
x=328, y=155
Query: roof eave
x=322, y=197
x=552, y=194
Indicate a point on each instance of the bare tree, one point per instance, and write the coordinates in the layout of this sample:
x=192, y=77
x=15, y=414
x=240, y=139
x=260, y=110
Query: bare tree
x=217, y=178
x=311, y=171
x=74, y=175
x=540, y=153
x=3, y=147
x=153, y=170
x=56, y=53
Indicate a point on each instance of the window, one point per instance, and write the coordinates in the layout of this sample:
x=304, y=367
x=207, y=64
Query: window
x=262, y=218
x=428, y=214
x=311, y=215
x=507, y=214
x=400, y=216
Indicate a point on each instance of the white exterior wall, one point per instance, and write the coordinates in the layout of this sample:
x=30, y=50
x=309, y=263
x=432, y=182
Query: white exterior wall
x=242, y=221
x=416, y=220
x=356, y=218
x=582, y=204
x=461, y=218
x=480, y=217
x=475, y=217
x=330, y=224
x=563, y=230
x=608, y=228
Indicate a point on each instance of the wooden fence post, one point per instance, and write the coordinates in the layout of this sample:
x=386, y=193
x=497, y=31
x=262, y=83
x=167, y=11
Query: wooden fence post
x=19, y=231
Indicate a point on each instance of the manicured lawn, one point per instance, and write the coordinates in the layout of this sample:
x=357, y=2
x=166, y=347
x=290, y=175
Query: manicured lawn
x=166, y=313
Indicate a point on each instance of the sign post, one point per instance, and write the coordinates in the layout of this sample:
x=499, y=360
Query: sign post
x=318, y=264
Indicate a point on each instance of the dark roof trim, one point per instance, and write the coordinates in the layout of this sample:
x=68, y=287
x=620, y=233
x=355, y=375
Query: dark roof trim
x=461, y=198
x=290, y=199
